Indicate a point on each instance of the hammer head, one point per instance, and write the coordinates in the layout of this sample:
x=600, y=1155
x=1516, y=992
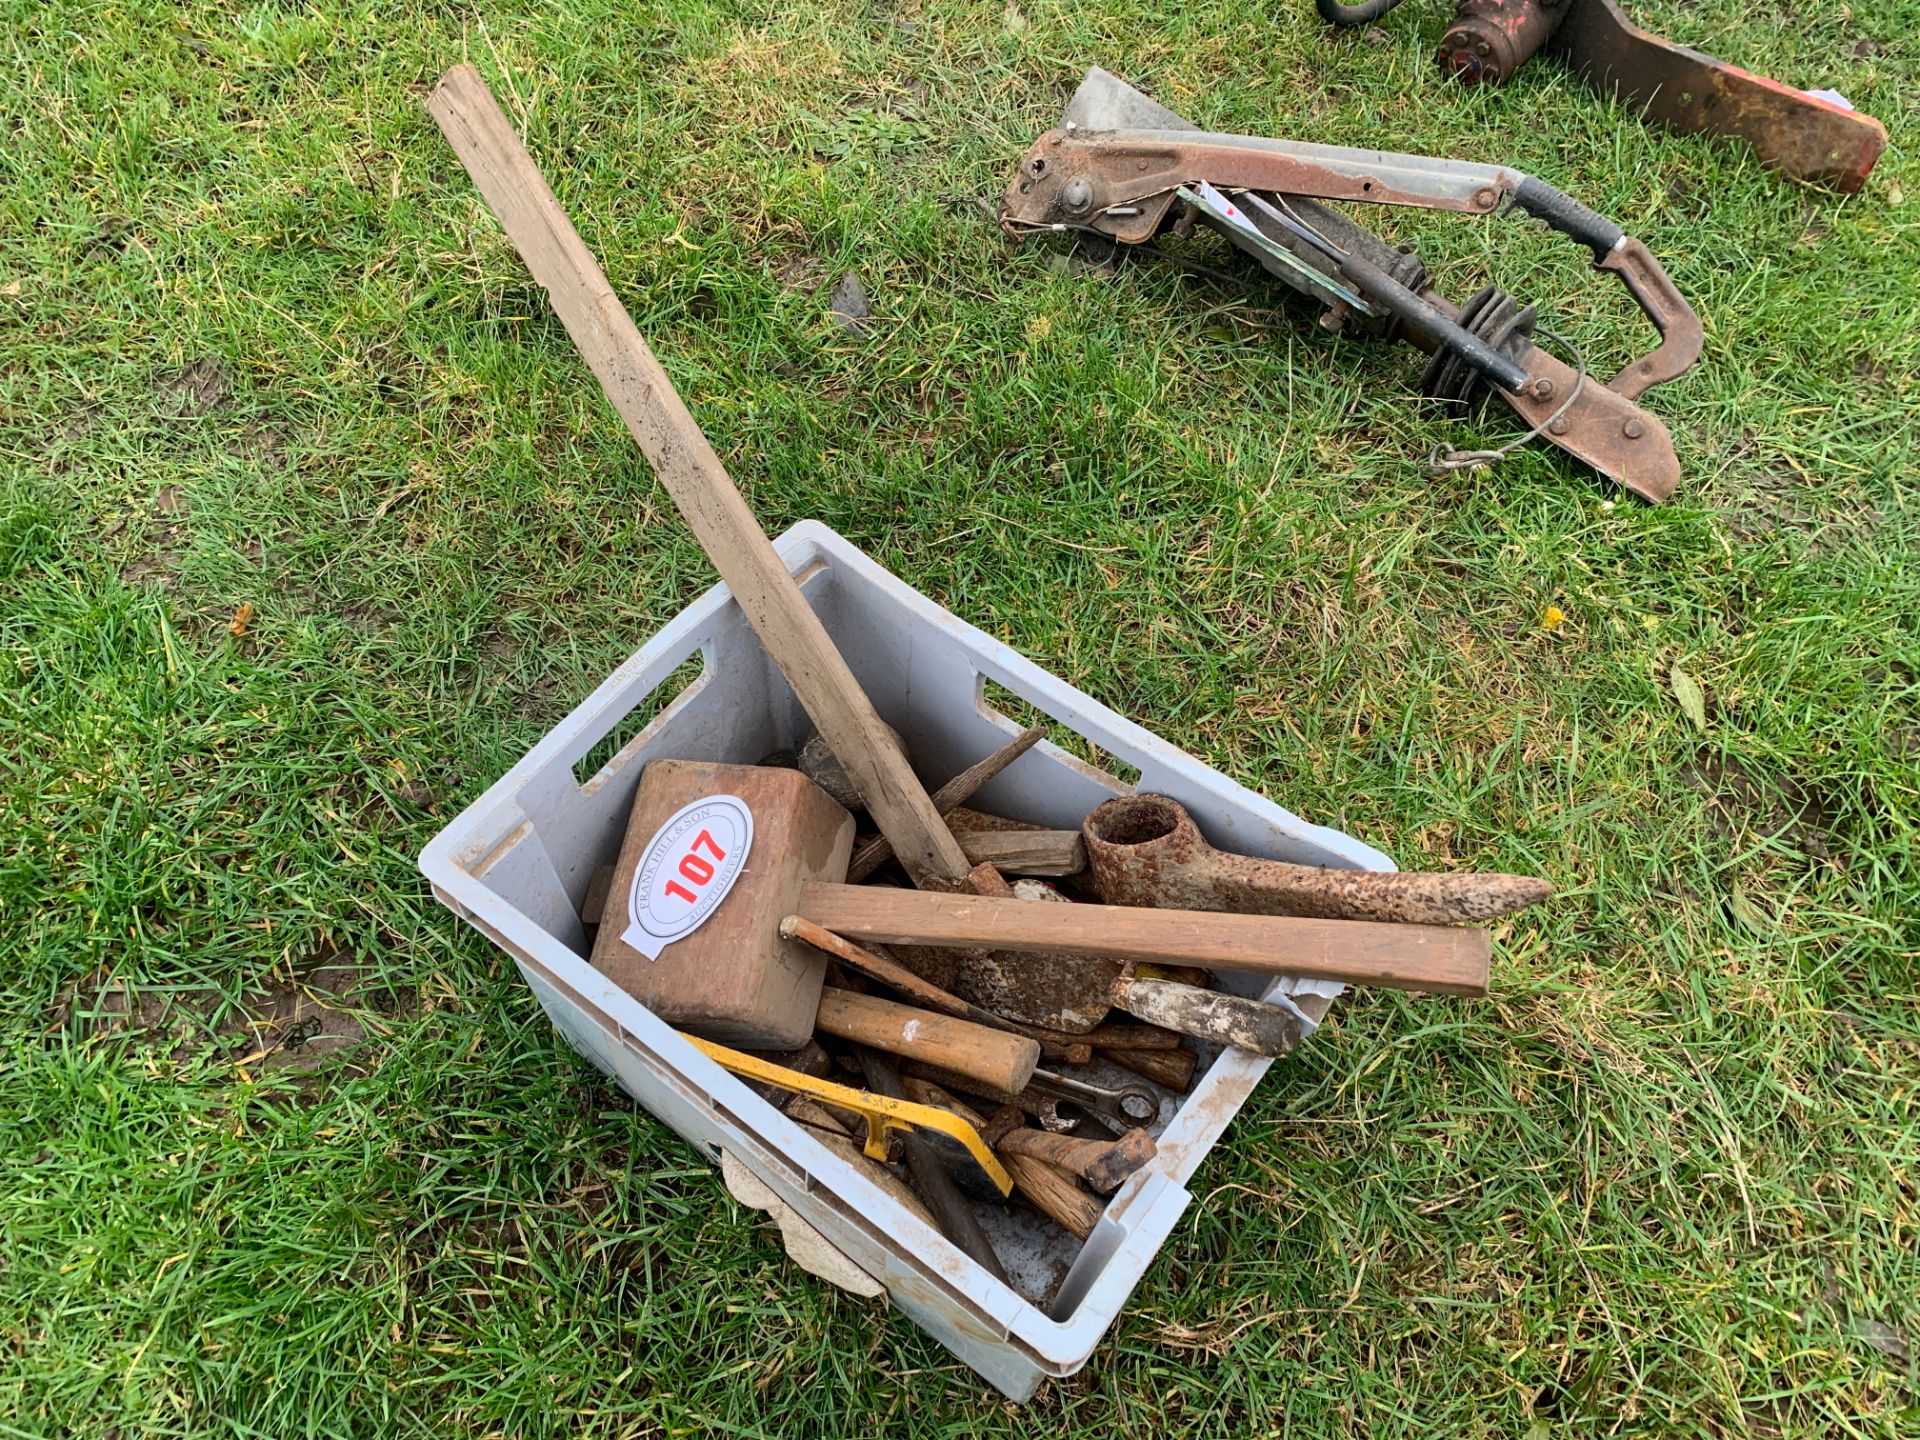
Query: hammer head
x=715, y=856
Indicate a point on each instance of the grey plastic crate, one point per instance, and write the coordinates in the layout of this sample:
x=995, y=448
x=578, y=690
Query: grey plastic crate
x=516, y=863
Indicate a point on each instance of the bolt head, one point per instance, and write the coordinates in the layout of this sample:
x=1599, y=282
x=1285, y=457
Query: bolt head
x=1559, y=427
x=1633, y=429
x=1543, y=388
x=1484, y=197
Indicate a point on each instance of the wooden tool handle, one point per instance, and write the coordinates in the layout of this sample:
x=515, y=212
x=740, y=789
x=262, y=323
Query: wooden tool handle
x=1054, y=1194
x=641, y=391
x=991, y=1056
x=872, y=856
x=1171, y=1068
x=1026, y=852
x=1103, y=1164
x=1209, y=1015
x=1074, y=1049
x=1441, y=958
x=953, y=1217
x=1126, y=1035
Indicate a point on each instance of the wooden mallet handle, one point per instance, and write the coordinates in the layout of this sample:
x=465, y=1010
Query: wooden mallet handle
x=1445, y=958
x=992, y=1057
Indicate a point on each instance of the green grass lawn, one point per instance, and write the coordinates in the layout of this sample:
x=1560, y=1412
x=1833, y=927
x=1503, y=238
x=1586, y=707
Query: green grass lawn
x=261, y=344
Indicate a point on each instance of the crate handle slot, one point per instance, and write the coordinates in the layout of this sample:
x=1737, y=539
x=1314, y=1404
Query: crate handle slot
x=608, y=751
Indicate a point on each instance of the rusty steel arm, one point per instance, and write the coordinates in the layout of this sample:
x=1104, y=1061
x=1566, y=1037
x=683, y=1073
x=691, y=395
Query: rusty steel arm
x=1800, y=135
x=1804, y=136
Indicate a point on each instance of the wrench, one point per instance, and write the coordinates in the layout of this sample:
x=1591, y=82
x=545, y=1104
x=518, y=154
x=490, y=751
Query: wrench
x=1127, y=1108
x=1059, y=1104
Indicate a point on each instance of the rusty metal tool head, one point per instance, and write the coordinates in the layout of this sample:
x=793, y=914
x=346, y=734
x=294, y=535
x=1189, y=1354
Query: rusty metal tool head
x=1802, y=135
x=1124, y=168
x=1146, y=850
x=1072, y=994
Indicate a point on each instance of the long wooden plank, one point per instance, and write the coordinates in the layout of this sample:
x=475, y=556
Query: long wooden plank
x=692, y=474
x=1443, y=958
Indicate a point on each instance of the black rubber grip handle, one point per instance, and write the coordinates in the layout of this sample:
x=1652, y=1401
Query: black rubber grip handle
x=1569, y=216
x=1441, y=330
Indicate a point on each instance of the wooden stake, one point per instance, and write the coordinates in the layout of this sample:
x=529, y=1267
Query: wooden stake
x=692, y=474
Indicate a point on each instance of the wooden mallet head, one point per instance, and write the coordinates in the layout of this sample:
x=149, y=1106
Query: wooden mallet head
x=715, y=857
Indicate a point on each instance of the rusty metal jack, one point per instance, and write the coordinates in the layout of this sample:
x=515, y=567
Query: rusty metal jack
x=1125, y=168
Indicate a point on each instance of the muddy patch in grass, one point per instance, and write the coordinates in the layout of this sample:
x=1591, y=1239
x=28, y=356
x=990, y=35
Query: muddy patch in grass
x=155, y=564
x=153, y=568
x=80, y=420
x=797, y=270
x=196, y=388
x=1743, y=800
x=317, y=1018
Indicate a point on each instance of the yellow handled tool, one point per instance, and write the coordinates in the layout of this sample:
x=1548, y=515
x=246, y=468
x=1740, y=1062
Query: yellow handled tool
x=882, y=1113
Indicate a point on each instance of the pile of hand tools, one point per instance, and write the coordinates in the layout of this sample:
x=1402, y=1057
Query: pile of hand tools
x=731, y=911
x=983, y=1070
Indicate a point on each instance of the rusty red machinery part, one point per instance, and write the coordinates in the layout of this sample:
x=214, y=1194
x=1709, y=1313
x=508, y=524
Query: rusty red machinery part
x=1490, y=39
x=1126, y=169
x=1801, y=135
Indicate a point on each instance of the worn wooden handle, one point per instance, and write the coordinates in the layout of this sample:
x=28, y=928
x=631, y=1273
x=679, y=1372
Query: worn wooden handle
x=1210, y=1015
x=1103, y=1164
x=992, y=1056
x=641, y=391
x=1443, y=958
x=1171, y=1068
x=1054, y=1194
x=953, y=1217
x=1026, y=852
x=1074, y=1049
